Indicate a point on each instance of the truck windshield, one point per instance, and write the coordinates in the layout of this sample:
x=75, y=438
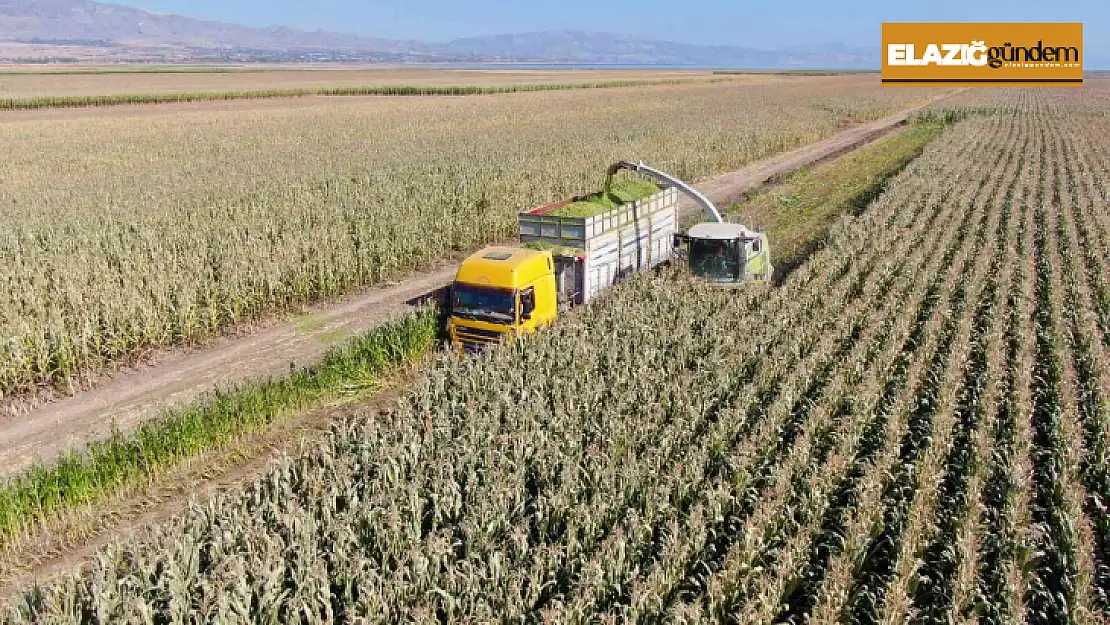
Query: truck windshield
x=715, y=259
x=483, y=303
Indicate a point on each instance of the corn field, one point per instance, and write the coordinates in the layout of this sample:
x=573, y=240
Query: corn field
x=119, y=99
x=913, y=426
x=20, y=84
x=127, y=233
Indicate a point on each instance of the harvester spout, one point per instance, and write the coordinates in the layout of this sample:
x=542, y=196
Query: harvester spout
x=640, y=168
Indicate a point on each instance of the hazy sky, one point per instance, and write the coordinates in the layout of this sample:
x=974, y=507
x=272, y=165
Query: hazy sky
x=762, y=24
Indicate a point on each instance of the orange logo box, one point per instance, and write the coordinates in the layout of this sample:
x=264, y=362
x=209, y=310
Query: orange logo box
x=983, y=54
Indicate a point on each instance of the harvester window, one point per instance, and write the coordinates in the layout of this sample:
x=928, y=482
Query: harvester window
x=715, y=259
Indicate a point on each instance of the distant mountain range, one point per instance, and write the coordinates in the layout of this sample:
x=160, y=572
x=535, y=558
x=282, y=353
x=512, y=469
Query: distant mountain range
x=57, y=28
x=582, y=47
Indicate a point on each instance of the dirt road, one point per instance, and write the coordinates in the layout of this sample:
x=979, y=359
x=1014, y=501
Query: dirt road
x=128, y=398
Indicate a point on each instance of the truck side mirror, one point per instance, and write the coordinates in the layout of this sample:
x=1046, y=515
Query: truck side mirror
x=527, y=304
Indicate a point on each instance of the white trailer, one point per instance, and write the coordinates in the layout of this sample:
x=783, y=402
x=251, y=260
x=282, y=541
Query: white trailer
x=594, y=253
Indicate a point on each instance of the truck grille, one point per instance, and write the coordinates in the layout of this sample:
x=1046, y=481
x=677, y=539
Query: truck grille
x=476, y=339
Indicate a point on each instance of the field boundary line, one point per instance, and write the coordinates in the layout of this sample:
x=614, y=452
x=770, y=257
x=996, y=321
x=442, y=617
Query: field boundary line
x=123, y=99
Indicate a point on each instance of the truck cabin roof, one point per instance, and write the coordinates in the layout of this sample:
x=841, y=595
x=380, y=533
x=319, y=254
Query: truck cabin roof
x=504, y=267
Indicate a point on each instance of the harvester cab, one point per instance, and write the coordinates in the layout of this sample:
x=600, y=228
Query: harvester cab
x=725, y=254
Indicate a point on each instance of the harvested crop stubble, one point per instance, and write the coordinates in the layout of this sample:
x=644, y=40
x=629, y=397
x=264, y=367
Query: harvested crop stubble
x=788, y=458
x=122, y=234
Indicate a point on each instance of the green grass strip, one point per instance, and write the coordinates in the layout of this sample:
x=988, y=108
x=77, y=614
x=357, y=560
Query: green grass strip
x=798, y=212
x=119, y=99
x=106, y=467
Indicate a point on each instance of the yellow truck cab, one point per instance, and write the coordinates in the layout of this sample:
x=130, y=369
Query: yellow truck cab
x=499, y=292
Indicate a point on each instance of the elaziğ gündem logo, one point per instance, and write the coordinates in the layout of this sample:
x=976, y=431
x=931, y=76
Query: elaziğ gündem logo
x=983, y=54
